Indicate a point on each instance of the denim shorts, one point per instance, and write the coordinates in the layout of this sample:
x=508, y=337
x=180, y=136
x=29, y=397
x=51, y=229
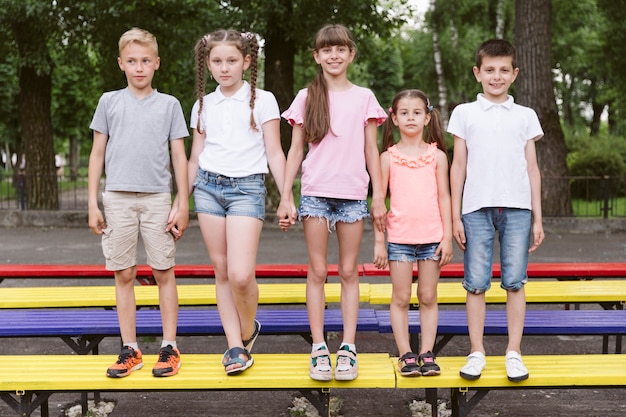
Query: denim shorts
x=224, y=196
x=333, y=209
x=513, y=228
x=404, y=252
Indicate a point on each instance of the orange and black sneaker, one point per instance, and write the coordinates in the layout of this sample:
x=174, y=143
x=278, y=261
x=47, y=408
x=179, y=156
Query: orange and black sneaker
x=128, y=361
x=168, y=363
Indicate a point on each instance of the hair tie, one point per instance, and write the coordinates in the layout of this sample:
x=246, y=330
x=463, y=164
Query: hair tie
x=430, y=108
x=390, y=109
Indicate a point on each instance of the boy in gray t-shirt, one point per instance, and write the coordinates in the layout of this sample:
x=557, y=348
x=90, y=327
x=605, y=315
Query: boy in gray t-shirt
x=133, y=132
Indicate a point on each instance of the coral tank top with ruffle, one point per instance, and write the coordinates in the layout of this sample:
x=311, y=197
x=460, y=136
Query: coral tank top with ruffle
x=414, y=216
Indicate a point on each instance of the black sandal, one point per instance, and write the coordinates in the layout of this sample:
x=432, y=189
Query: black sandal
x=247, y=344
x=428, y=364
x=408, y=366
x=232, y=356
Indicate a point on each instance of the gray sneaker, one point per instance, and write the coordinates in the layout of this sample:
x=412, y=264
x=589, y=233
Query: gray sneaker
x=515, y=369
x=475, y=363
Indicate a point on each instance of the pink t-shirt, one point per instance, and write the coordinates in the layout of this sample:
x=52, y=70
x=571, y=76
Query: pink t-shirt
x=414, y=216
x=335, y=166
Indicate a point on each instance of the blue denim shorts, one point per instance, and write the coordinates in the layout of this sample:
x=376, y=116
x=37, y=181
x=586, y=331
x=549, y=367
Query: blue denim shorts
x=333, y=209
x=224, y=196
x=403, y=252
x=513, y=229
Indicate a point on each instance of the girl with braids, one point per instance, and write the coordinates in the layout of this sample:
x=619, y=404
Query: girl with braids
x=419, y=222
x=337, y=120
x=236, y=134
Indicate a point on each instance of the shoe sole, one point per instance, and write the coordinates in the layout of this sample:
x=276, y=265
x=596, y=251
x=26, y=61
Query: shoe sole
x=431, y=373
x=238, y=371
x=518, y=378
x=128, y=372
x=410, y=373
x=323, y=377
x=168, y=373
x=344, y=377
x=469, y=377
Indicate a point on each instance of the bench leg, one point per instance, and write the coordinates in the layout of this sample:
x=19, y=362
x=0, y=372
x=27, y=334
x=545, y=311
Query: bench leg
x=320, y=399
x=461, y=405
x=431, y=398
x=25, y=405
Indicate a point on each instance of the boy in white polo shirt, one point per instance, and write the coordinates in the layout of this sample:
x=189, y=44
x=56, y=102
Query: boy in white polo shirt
x=495, y=176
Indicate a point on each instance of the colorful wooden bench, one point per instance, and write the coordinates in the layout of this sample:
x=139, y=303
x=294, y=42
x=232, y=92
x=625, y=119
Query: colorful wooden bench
x=44, y=375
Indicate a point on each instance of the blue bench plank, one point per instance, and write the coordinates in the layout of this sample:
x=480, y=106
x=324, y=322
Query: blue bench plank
x=538, y=322
x=84, y=323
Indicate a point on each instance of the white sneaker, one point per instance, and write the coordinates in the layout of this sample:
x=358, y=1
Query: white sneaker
x=475, y=363
x=515, y=369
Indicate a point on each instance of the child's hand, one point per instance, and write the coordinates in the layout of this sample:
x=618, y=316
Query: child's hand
x=458, y=231
x=96, y=221
x=381, y=260
x=538, y=236
x=445, y=251
x=378, y=212
x=177, y=222
x=286, y=214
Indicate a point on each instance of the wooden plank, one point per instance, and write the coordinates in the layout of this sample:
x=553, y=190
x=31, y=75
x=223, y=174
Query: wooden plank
x=593, y=291
x=190, y=294
x=198, y=372
x=563, y=371
x=534, y=270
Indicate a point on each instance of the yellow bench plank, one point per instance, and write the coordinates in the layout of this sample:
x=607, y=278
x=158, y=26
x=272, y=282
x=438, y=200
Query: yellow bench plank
x=198, y=372
x=191, y=294
x=547, y=291
x=544, y=371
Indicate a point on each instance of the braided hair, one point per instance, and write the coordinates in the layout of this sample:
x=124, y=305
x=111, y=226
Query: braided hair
x=247, y=43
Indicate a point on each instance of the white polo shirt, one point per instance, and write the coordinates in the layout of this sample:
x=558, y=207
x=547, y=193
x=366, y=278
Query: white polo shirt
x=231, y=147
x=495, y=135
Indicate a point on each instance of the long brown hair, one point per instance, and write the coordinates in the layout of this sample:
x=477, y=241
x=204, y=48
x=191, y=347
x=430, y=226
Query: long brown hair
x=317, y=111
x=433, y=131
x=247, y=44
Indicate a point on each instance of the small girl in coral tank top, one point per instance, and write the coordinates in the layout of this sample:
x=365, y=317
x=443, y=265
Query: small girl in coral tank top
x=419, y=222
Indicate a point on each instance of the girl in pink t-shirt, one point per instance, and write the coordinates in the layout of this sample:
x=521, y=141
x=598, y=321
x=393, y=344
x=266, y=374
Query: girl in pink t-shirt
x=419, y=222
x=337, y=120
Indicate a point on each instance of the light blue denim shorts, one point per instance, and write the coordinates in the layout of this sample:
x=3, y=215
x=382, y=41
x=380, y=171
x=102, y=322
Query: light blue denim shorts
x=513, y=228
x=225, y=196
x=333, y=209
x=403, y=252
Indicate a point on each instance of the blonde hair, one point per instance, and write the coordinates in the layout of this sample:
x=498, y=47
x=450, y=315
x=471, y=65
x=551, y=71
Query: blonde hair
x=246, y=43
x=139, y=36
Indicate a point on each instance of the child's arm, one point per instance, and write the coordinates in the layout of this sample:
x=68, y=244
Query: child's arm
x=457, y=181
x=445, y=208
x=287, y=210
x=534, y=176
x=372, y=160
x=179, y=214
x=96, y=164
x=381, y=259
x=277, y=163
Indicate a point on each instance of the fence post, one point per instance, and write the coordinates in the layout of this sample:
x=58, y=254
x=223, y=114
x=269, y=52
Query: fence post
x=606, y=209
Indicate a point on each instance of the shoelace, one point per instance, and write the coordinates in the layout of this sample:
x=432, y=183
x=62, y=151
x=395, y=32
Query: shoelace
x=166, y=355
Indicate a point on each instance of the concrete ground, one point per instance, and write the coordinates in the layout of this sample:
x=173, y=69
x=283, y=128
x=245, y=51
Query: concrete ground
x=78, y=245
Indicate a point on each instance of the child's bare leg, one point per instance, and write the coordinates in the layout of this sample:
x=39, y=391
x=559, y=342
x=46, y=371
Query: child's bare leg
x=168, y=302
x=515, y=314
x=401, y=280
x=476, y=310
x=316, y=234
x=349, y=236
x=125, y=303
x=427, y=296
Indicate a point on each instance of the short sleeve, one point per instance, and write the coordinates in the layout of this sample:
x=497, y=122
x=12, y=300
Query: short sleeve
x=374, y=111
x=193, y=118
x=295, y=113
x=99, y=121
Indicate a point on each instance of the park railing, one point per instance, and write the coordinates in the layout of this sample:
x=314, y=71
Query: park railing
x=592, y=196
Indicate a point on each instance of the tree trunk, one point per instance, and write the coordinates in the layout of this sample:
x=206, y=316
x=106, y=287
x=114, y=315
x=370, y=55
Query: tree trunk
x=280, y=51
x=35, y=75
x=441, y=81
x=535, y=89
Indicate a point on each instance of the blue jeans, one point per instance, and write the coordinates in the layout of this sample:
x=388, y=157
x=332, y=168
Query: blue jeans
x=333, y=209
x=513, y=227
x=403, y=252
x=224, y=196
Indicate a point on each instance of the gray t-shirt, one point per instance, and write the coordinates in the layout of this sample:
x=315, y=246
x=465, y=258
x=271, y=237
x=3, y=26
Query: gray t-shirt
x=137, y=153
